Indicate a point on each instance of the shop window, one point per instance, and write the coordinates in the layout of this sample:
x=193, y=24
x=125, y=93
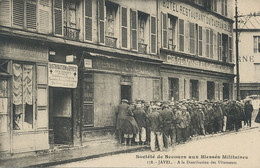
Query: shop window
x=256, y=44
x=143, y=31
x=71, y=30
x=111, y=24
x=210, y=90
x=225, y=91
x=156, y=89
x=173, y=89
x=3, y=104
x=172, y=32
x=181, y=35
x=194, y=89
x=23, y=106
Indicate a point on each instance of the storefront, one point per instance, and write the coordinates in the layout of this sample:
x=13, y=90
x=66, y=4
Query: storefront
x=107, y=80
x=23, y=96
x=195, y=78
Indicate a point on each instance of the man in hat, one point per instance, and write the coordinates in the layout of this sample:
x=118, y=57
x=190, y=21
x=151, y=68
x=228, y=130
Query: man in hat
x=183, y=121
x=248, y=112
x=167, y=127
x=126, y=123
x=140, y=117
x=201, y=120
x=154, y=122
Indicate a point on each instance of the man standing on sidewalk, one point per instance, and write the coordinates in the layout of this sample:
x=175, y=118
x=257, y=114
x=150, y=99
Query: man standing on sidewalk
x=140, y=117
x=248, y=112
x=154, y=122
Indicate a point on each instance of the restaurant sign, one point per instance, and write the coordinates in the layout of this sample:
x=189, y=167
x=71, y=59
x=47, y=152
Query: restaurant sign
x=63, y=75
x=199, y=64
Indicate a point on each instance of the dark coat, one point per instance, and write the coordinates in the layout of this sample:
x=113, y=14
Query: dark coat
x=125, y=120
x=140, y=117
x=154, y=121
x=248, y=109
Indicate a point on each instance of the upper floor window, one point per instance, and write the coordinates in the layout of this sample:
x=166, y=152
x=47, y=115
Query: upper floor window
x=256, y=44
x=172, y=32
x=24, y=13
x=224, y=7
x=71, y=29
x=143, y=31
x=181, y=35
x=111, y=24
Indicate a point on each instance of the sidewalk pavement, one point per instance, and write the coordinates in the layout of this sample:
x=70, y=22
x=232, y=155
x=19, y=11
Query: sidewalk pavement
x=88, y=152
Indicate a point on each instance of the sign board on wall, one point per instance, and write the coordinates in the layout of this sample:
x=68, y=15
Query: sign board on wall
x=63, y=75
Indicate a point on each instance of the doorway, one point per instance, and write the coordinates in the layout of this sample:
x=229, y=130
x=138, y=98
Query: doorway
x=126, y=92
x=194, y=89
x=60, y=116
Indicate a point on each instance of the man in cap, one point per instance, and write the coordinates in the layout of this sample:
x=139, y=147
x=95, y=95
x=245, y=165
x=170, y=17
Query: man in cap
x=140, y=117
x=201, y=120
x=154, y=122
x=183, y=121
x=167, y=127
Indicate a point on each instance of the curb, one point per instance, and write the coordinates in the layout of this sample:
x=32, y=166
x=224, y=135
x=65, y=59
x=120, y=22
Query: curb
x=89, y=157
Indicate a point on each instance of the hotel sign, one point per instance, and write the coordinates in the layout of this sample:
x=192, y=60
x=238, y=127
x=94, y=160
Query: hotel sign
x=198, y=64
x=63, y=75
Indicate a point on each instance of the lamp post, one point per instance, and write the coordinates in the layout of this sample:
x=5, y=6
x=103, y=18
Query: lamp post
x=237, y=55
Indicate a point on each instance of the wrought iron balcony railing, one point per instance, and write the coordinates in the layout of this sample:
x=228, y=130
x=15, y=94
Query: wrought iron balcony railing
x=71, y=33
x=111, y=41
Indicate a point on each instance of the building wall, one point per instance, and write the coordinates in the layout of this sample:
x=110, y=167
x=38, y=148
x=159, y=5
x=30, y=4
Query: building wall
x=248, y=60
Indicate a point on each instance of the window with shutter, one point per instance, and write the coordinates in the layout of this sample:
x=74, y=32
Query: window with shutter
x=207, y=43
x=230, y=42
x=58, y=17
x=31, y=14
x=192, y=38
x=211, y=44
x=219, y=47
x=164, y=28
x=18, y=13
x=153, y=34
x=200, y=47
x=5, y=12
x=172, y=32
x=88, y=20
x=133, y=30
x=44, y=16
x=181, y=35
x=101, y=21
x=124, y=27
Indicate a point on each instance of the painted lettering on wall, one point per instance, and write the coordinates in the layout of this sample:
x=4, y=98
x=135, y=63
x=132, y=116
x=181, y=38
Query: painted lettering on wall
x=246, y=58
x=125, y=66
x=187, y=62
x=196, y=14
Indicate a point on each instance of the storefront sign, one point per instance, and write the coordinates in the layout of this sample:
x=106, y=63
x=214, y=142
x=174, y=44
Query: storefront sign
x=193, y=13
x=126, y=66
x=199, y=64
x=63, y=75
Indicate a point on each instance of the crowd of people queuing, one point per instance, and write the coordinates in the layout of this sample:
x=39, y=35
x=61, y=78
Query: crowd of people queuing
x=168, y=123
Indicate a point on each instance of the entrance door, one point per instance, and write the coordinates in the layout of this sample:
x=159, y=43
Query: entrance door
x=126, y=92
x=61, y=115
x=194, y=89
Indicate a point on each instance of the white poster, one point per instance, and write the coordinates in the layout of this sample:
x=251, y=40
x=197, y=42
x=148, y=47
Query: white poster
x=63, y=75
